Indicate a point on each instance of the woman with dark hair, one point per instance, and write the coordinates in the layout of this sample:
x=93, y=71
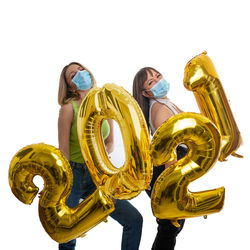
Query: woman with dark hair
x=75, y=83
x=150, y=90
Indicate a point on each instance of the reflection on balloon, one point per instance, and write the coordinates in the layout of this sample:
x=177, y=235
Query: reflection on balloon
x=60, y=222
x=201, y=78
x=113, y=102
x=171, y=198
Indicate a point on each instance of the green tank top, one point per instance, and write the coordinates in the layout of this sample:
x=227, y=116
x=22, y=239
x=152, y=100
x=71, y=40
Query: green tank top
x=75, y=151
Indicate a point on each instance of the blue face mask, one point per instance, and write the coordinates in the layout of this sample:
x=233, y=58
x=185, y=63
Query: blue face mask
x=82, y=80
x=160, y=89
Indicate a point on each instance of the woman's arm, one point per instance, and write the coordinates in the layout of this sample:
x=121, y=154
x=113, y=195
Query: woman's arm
x=160, y=114
x=109, y=141
x=65, y=119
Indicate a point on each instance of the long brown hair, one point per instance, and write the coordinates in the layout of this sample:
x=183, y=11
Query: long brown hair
x=65, y=93
x=139, y=80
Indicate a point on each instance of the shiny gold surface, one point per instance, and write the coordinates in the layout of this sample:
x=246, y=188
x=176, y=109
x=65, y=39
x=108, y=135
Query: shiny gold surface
x=211, y=136
x=113, y=102
x=201, y=77
x=60, y=222
x=171, y=198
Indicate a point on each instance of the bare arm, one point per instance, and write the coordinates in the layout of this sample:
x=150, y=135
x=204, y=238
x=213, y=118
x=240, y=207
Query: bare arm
x=160, y=114
x=64, y=125
x=109, y=141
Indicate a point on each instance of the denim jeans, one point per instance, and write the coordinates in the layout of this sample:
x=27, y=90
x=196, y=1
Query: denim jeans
x=124, y=213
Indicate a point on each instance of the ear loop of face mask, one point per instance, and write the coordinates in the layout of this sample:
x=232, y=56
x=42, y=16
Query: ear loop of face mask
x=147, y=90
x=152, y=97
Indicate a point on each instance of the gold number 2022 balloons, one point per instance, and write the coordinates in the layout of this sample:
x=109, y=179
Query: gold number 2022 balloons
x=113, y=102
x=201, y=77
x=171, y=198
x=59, y=221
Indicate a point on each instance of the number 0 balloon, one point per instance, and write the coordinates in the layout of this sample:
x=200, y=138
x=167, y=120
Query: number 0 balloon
x=113, y=102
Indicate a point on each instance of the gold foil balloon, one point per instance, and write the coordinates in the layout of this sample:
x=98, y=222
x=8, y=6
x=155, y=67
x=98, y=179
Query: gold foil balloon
x=201, y=78
x=113, y=102
x=60, y=222
x=171, y=198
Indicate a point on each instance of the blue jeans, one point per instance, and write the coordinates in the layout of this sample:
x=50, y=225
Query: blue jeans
x=124, y=213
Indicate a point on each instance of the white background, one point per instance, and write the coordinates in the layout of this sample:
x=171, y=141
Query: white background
x=114, y=39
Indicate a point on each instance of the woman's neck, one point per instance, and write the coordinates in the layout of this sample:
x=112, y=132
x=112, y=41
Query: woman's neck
x=83, y=93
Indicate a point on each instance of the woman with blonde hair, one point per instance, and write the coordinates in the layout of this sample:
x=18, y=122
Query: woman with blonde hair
x=75, y=82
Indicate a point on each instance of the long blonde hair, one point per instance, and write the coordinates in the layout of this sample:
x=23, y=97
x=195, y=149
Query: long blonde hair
x=66, y=94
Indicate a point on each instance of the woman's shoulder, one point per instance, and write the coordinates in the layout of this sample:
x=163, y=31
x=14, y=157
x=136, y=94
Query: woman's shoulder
x=67, y=107
x=159, y=114
x=66, y=110
x=159, y=107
